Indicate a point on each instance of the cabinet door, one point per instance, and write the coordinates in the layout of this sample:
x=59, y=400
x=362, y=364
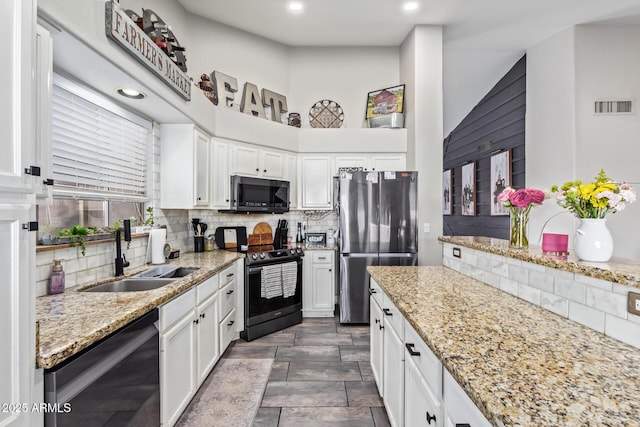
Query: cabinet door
x=245, y=160
x=207, y=345
x=376, y=328
x=421, y=408
x=44, y=75
x=220, y=174
x=316, y=182
x=323, y=284
x=271, y=164
x=177, y=369
x=201, y=170
x=17, y=18
x=227, y=330
x=17, y=312
x=291, y=175
x=388, y=163
x=459, y=409
x=393, y=371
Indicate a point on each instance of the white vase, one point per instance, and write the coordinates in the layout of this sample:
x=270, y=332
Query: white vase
x=593, y=241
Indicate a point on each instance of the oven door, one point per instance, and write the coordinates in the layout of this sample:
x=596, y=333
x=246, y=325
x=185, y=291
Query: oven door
x=261, y=308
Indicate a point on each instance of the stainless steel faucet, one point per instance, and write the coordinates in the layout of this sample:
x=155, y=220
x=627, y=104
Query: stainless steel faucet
x=121, y=260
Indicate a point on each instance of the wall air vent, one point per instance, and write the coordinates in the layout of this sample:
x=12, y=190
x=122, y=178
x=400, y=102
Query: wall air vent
x=614, y=107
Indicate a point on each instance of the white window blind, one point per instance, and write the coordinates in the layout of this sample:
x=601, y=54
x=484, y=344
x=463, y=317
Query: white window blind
x=98, y=153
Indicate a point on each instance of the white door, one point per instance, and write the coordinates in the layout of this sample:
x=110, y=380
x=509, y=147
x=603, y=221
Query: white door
x=388, y=163
x=201, y=172
x=316, y=182
x=271, y=164
x=220, y=174
x=246, y=160
x=393, y=383
x=17, y=314
x=377, y=343
x=291, y=175
x=421, y=408
x=177, y=369
x=350, y=162
x=208, y=351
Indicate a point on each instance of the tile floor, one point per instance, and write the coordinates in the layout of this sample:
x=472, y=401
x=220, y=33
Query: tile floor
x=321, y=376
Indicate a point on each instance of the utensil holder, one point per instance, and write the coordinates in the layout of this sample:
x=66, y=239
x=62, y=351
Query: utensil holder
x=198, y=243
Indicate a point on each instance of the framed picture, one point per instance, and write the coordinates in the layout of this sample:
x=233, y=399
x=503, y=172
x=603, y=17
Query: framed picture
x=446, y=192
x=469, y=189
x=385, y=101
x=500, y=179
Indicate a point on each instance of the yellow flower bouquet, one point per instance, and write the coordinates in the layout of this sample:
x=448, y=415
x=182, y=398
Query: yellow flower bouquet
x=595, y=199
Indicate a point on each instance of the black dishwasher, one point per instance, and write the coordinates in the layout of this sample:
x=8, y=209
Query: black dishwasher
x=115, y=382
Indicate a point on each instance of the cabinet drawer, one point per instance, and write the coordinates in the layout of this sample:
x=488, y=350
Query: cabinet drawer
x=176, y=309
x=427, y=362
x=207, y=288
x=322, y=257
x=376, y=292
x=459, y=407
x=227, y=299
x=227, y=275
x=227, y=330
x=393, y=317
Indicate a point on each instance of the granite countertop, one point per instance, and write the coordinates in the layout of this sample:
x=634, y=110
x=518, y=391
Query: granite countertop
x=618, y=270
x=520, y=364
x=72, y=321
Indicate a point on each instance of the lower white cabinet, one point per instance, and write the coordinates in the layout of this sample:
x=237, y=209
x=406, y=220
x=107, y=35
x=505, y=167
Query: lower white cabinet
x=318, y=284
x=393, y=368
x=421, y=407
x=459, y=409
x=376, y=329
x=208, y=350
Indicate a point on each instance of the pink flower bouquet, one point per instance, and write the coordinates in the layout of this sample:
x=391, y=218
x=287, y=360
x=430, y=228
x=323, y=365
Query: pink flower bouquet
x=519, y=203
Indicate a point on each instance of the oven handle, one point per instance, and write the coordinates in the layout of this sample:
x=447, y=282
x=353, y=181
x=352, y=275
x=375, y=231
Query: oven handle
x=254, y=269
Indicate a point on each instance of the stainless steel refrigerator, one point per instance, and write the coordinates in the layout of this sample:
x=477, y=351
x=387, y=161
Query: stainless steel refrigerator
x=378, y=226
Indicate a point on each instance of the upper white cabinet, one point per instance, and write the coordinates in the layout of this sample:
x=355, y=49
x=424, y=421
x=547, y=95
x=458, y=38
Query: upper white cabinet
x=316, y=176
x=44, y=76
x=387, y=162
x=184, y=148
x=220, y=177
x=291, y=175
x=249, y=160
x=370, y=162
x=18, y=168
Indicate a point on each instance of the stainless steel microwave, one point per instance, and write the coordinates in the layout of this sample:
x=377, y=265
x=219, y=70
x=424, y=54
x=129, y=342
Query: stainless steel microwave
x=258, y=195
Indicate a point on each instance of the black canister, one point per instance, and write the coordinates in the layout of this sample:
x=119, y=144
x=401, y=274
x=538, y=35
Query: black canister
x=198, y=243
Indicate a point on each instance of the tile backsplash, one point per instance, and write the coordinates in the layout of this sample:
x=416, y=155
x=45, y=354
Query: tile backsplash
x=594, y=303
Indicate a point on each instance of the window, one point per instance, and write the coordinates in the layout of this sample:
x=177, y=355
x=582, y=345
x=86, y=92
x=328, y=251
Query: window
x=99, y=150
x=99, y=160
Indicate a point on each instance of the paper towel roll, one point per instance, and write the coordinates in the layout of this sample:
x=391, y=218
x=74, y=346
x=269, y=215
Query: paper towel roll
x=158, y=238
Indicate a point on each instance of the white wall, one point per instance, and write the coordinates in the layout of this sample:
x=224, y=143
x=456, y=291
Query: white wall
x=421, y=68
x=565, y=140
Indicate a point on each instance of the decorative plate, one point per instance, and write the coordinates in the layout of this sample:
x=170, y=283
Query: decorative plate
x=326, y=114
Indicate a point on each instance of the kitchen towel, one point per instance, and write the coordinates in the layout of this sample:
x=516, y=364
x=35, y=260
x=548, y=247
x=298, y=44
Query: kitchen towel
x=289, y=278
x=158, y=238
x=271, y=281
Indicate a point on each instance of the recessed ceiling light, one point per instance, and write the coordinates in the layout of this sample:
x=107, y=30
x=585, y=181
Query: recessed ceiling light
x=410, y=6
x=295, y=6
x=130, y=93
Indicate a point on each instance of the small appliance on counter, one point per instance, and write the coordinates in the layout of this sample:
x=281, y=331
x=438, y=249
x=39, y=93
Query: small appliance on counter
x=280, y=238
x=231, y=238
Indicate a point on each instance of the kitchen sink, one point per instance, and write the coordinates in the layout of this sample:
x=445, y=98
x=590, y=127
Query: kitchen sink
x=132, y=285
x=166, y=271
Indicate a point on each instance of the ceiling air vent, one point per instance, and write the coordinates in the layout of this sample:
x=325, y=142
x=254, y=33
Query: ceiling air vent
x=614, y=107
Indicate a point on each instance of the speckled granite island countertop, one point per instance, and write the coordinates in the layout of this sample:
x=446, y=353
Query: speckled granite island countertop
x=72, y=321
x=618, y=270
x=520, y=364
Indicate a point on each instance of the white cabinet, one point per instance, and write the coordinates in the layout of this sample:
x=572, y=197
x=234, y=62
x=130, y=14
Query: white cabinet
x=291, y=175
x=44, y=76
x=421, y=407
x=459, y=409
x=393, y=368
x=220, y=176
x=185, y=164
x=316, y=178
x=249, y=160
x=351, y=161
x=376, y=329
x=389, y=162
x=318, y=284
x=207, y=339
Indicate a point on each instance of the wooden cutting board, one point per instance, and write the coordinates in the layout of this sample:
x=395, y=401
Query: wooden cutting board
x=261, y=235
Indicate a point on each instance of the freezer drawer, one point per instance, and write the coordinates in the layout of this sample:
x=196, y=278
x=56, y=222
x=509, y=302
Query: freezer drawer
x=354, y=287
x=398, y=259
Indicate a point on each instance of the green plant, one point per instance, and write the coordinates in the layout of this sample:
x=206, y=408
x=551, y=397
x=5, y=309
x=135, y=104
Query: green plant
x=151, y=220
x=76, y=235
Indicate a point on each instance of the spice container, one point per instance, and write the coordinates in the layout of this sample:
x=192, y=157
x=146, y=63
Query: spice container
x=208, y=243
